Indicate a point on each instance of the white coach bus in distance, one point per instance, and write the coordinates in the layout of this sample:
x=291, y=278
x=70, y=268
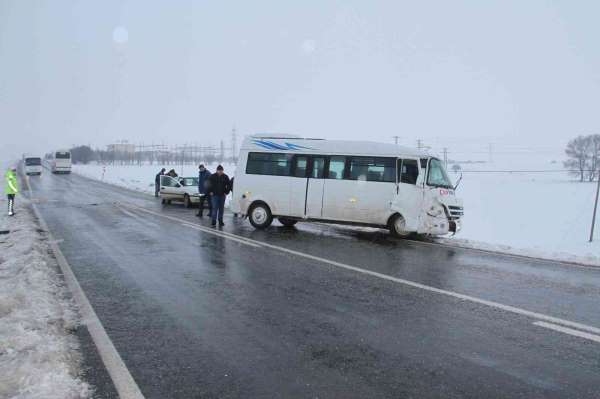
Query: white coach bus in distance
x=348, y=182
x=60, y=162
x=32, y=165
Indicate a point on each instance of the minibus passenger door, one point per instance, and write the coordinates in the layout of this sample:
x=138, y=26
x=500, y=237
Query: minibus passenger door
x=314, y=188
x=409, y=198
x=298, y=185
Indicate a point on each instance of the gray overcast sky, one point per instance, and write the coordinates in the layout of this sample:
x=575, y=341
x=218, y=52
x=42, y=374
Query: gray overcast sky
x=190, y=70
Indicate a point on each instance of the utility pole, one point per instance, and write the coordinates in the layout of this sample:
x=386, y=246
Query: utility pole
x=595, y=208
x=396, y=138
x=419, y=144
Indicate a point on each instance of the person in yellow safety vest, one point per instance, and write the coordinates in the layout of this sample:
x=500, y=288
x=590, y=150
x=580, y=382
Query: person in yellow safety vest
x=11, y=188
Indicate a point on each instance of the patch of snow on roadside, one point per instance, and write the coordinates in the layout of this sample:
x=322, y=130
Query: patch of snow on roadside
x=39, y=357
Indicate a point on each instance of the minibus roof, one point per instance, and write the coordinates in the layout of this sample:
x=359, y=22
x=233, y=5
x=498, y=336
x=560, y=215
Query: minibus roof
x=294, y=144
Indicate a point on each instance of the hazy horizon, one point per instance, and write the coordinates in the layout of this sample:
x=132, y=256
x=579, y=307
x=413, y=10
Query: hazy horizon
x=453, y=74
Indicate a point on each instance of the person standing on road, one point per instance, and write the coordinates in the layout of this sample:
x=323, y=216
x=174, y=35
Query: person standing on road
x=218, y=188
x=11, y=188
x=157, y=181
x=203, y=176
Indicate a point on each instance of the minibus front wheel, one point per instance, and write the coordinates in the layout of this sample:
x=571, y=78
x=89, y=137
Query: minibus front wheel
x=397, y=226
x=260, y=215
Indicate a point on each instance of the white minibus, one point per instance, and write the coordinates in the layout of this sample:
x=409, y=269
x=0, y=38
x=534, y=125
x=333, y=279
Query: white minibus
x=349, y=182
x=60, y=162
x=32, y=165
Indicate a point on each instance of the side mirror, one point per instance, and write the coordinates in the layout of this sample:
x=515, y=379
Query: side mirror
x=178, y=185
x=458, y=182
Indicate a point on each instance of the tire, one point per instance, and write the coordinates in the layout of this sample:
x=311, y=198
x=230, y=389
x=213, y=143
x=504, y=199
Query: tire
x=398, y=227
x=287, y=222
x=260, y=216
x=186, y=201
x=163, y=201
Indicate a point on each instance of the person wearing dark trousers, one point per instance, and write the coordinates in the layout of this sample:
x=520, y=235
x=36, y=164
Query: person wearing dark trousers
x=157, y=182
x=218, y=188
x=11, y=188
x=203, y=176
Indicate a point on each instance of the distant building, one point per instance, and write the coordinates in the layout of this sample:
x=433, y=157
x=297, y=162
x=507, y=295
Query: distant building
x=122, y=148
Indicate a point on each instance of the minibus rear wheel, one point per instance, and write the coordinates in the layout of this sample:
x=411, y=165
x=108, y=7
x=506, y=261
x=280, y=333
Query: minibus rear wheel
x=260, y=215
x=287, y=222
x=397, y=226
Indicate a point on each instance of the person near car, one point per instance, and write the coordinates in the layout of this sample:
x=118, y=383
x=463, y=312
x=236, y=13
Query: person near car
x=218, y=188
x=157, y=181
x=11, y=189
x=172, y=173
x=203, y=176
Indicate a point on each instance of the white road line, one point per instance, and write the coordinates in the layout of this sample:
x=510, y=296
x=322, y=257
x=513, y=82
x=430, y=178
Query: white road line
x=124, y=383
x=218, y=233
x=507, y=308
x=567, y=330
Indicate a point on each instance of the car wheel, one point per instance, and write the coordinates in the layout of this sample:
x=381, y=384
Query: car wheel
x=260, y=216
x=398, y=227
x=287, y=222
x=186, y=201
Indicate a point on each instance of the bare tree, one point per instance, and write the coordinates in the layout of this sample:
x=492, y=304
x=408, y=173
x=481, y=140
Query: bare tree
x=578, y=153
x=594, y=155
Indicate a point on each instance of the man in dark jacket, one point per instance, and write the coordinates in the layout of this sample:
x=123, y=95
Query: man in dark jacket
x=218, y=188
x=157, y=182
x=203, y=176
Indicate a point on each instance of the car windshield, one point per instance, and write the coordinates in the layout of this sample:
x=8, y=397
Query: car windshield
x=188, y=181
x=437, y=174
x=33, y=161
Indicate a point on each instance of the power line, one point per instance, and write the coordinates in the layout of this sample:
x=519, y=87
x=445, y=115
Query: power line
x=527, y=171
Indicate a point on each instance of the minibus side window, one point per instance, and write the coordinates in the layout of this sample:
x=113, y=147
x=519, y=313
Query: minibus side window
x=409, y=171
x=318, y=168
x=373, y=169
x=337, y=166
x=260, y=163
x=300, y=165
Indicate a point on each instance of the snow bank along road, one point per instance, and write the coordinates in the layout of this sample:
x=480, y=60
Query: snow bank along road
x=39, y=356
x=318, y=311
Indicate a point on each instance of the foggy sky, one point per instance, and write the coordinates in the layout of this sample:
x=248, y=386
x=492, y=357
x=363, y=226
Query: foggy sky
x=84, y=72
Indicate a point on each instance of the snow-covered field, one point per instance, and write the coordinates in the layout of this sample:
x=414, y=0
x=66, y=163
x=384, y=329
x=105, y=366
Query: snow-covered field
x=139, y=177
x=540, y=214
x=39, y=357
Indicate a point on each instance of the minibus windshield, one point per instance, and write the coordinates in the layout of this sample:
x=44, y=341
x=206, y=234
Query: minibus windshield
x=63, y=155
x=437, y=176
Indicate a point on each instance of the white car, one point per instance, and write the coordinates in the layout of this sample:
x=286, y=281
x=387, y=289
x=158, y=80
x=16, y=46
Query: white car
x=184, y=189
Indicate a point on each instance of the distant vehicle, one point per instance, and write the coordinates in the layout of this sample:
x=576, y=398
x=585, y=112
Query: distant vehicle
x=349, y=182
x=183, y=189
x=60, y=162
x=32, y=165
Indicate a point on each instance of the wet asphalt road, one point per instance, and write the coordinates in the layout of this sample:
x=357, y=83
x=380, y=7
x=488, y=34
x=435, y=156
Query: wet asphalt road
x=197, y=315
